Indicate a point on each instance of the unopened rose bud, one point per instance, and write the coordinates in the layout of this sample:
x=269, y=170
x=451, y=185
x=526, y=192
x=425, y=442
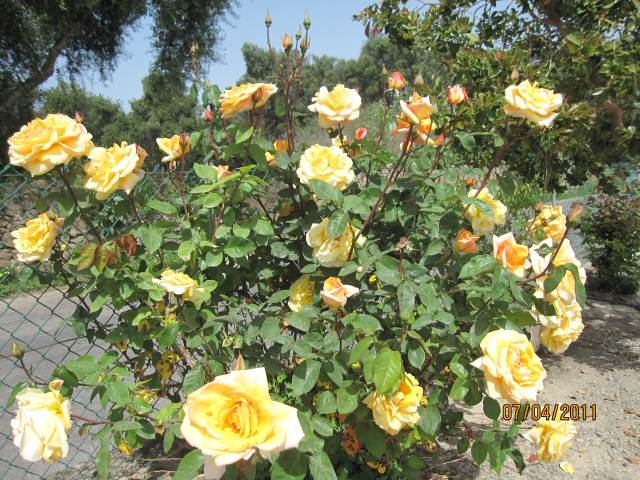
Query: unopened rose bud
x=298, y=35
x=223, y=171
x=194, y=48
x=456, y=95
x=515, y=75
x=307, y=22
x=418, y=82
x=17, y=350
x=499, y=56
x=470, y=182
x=142, y=153
x=286, y=42
x=402, y=243
x=397, y=81
x=575, y=212
x=79, y=118
x=267, y=20
x=207, y=114
x=306, y=43
x=184, y=139
x=384, y=70
x=539, y=206
x=359, y=269
x=361, y=133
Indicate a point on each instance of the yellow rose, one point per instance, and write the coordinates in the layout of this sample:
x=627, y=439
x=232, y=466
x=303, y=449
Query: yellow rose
x=233, y=417
x=242, y=98
x=551, y=438
x=557, y=339
x=335, y=293
x=271, y=159
x=512, y=370
x=457, y=94
x=329, y=164
x=510, y=254
x=35, y=241
x=551, y=220
x=571, y=311
x=529, y=101
x=301, y=293
x=331, y=253
x=40, y=145
x=417, y=109
x=400, y=410
x=115, y=168
x=177, y=283
x=566, y=289
x=41, y=424
x=465, y=242
x=222, y=171
x=482, y=223
x=172, y=148
x=338, y=106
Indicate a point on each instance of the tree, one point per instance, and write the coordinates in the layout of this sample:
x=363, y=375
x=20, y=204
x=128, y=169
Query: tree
x=104, y=118
x=90, y=35
x=586, y=49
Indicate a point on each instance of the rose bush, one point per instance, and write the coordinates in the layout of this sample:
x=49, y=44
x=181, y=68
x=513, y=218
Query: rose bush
x=286, y=309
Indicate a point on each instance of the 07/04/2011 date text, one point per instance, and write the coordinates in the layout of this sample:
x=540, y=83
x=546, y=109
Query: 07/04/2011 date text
x=536, y=411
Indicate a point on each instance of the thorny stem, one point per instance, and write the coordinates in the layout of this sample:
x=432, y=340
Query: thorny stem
x=551, y=260
x=387, y=106
x=88, y=420
x=405, y=151
x=93, y=228
x=133, y=207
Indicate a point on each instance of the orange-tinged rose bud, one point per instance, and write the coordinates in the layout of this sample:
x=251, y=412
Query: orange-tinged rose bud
x=361, y=133
x=470, y=182
x=207, y=114
x=280, y=145
x=286, y=42
x=142, y=153
x=456, y=95
x=397, y=81
x=223, y=171
x=79, y=118
x=465, y=242
x=574, y=213
x=184, y=139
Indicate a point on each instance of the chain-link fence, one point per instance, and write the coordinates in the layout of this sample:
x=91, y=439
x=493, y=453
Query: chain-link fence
x=34, y=312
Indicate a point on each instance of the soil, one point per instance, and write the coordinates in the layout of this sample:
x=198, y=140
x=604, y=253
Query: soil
x=601, y=368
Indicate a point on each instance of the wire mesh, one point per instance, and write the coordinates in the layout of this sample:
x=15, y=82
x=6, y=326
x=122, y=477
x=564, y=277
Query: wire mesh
x=36, y=315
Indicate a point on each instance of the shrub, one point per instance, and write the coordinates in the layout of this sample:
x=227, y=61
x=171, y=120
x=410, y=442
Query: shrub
x=610, y=227
x=324, y=306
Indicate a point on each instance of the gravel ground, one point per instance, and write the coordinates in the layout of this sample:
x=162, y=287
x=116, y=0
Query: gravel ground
x=601, y=368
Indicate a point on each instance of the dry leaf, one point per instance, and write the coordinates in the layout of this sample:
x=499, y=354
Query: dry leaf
x=567, y=467
x=634, y=460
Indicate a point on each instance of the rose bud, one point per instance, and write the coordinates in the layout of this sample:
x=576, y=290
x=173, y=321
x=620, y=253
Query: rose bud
x=456, y=95
x=397, y=81
x=361, y=133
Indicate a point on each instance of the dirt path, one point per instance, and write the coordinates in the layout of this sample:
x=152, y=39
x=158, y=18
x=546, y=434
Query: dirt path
x=602, y=368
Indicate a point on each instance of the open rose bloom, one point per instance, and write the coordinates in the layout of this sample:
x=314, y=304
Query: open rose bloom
x=338, y=106
x=177, y=283
x=34, y=242
x=172, y=148
x=233, y=417
x=534, y=103
x=551, y=438
x=245, y=97
x=114, y=168
x=335, y=293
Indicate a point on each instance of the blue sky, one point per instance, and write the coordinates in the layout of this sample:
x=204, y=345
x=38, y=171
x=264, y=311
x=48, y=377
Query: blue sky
x=333, y=32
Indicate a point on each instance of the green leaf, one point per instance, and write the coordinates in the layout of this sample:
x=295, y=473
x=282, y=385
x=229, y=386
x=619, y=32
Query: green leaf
x=86, y=256
x=185, y=250
x=322, y=426
x=554, y=279
x=305, y=376
x=460, y=388
x=478, y=452
x=581, y=294
x=263, y=227
x=478, y=265
x=237, y=247
x=326, y=403
x=190, y=466
x=338, y=222
x=362, y=322
x=14, y=391
x=168, y=335
x=321, y=467
x=211, y=200
x=347, y=400
x=360, y=349
x=194, y=379
x=388, y=270
x=429, y=421
x=290, y=465
x=373, y=438
x=242, y=135
x=83, y=366
x=499, y=283
x=387, y=371
x=467, y=141
x=206, y=172
x=103, y=460
x=491, y=408
x=326, y=192
x=151, y=238
x=435, y=247
x=406, y=299
x=573, y=38
x=162, y=207
x=118, y=392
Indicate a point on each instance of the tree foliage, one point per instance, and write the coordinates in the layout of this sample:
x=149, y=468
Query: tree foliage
x=587, y=49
